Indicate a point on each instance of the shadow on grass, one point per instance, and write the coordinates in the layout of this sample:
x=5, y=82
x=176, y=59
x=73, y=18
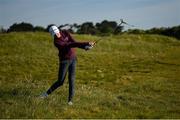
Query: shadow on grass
x=15, y=92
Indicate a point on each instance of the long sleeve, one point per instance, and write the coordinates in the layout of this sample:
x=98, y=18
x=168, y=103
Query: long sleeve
x=61, y=44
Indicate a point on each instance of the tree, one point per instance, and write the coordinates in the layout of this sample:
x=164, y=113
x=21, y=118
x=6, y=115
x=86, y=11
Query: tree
x=170, y=31
x=107, y=27
x=176, y=32
x=21, y=27
x=118, y=30
x=87, y=28
x=76, y=27
x=173, y=31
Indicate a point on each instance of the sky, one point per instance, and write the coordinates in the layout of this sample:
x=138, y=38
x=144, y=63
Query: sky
x=144, y=14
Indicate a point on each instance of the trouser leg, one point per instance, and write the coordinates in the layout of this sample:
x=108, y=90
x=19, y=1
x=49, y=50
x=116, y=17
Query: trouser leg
x=71, y=77
x=61, y=76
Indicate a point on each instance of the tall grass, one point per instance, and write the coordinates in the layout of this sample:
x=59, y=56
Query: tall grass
x=127, y=76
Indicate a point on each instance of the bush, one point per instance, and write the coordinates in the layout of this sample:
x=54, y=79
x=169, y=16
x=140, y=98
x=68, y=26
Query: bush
x=39, y=28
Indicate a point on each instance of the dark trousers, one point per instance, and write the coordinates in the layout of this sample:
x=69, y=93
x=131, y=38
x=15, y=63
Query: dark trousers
x=64, y=67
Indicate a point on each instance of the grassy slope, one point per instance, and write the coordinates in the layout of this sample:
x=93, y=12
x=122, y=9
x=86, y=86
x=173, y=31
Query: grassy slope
x=128, y=76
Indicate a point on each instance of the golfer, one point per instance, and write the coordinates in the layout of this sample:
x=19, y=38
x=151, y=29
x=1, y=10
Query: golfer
x=67, y=59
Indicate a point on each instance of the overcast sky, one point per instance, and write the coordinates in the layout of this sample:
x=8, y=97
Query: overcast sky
x=143, y=14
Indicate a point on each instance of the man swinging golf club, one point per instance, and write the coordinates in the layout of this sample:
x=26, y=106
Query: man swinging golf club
x=67, y=59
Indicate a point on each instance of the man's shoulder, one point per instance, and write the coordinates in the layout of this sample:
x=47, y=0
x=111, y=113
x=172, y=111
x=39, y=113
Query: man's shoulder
x=65, y=32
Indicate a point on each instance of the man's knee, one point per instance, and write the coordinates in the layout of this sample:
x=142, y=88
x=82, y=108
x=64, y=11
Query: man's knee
x=59, y=83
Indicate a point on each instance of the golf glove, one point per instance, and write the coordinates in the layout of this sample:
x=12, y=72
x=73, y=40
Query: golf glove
x=88, y=47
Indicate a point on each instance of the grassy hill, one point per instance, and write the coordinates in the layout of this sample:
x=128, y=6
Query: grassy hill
x=127, y=76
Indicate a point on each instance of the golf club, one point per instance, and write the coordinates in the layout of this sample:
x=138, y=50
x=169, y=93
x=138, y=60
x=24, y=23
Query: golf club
x=123, y=22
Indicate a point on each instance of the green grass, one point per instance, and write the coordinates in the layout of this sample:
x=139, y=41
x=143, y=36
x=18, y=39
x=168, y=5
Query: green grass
x=127, y=76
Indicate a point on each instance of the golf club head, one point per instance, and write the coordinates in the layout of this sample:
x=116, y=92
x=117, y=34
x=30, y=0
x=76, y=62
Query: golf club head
x=123, y=22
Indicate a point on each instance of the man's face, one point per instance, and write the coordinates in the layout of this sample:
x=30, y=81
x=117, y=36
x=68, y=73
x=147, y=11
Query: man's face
x=58, y=35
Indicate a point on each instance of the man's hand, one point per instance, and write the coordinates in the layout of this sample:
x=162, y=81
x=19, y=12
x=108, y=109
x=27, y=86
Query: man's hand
x=92, y=43
x=90, y=46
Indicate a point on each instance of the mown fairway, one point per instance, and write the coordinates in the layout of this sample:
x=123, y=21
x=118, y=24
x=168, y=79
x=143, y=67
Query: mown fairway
x=127, y=76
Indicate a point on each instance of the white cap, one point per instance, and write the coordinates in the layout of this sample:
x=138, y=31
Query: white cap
x=53, y=30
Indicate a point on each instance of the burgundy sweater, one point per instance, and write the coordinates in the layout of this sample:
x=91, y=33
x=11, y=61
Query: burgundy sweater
x=66, y=46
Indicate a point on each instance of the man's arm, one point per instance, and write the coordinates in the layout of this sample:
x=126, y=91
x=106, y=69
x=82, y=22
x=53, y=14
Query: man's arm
x=86, y=47
x=61, y=44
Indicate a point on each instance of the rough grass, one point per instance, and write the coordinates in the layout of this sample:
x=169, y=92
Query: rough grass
x=127, y=76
